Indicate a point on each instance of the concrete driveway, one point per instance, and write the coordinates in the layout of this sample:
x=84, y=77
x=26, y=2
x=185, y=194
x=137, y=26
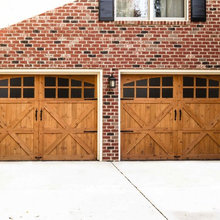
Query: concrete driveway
x=183, y=190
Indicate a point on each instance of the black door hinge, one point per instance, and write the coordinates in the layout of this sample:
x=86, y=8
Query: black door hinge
x=127, y=98
x=90, y=131
x=126, y=131
x=90, y=99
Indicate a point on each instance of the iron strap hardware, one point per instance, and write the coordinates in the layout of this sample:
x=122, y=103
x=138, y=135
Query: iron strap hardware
x=176, y=157
x=180, y=114
x=36, y=114
x=126, y=131
x=175, y=115
x=90, y=131
x=41, y=114
x=90, y=99
x=127, y=98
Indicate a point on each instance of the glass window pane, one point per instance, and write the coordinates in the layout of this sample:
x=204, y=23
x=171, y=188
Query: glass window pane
x=76, y=93
x=155, y=81
x=15, y=93
x=213, y=82
x=3, y=93
x=131, y=8
x=28, y=81
x=188, y=93
x=200, y=93
x=169, y=8
x=63, y=82
x=141, y=92
x=50, y=93
x=89, y=93
x=76, y=83
x=4, y=82
x=63, y=93
x=142, y=82
x=129, y=84
x=213, y=93
x=15, y=81
x=188, y=81
x=154, y=93
x=128, y=92
x=50, y=81
x=167, y=93
x=167, y=81
x=88, y=84
x=200, y=82
x=28, y=93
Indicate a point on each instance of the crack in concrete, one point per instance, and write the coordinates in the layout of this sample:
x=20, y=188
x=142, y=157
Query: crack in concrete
x=138, y=190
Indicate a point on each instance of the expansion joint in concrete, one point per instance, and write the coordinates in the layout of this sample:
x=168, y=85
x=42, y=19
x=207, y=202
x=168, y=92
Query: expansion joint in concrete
x=145, y=197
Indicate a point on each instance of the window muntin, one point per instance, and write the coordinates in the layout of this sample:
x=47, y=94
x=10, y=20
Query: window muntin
x=200, y=87
x=149, y=87
x=151, y=10
x=17, y=87
x=65, y=88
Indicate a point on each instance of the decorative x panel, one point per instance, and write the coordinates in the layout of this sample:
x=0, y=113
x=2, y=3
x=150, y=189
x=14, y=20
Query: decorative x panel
x=68, y=129
x=11, y=131
x=147, y=129
x=206, y=129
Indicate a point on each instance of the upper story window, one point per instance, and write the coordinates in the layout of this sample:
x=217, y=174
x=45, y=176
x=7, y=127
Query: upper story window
x=151, y=9
x=131, y=8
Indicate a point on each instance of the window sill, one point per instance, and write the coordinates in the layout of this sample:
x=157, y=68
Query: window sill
x=153, y=22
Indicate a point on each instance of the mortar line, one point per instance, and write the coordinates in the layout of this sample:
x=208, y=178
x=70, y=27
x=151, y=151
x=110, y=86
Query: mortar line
x=138, y=190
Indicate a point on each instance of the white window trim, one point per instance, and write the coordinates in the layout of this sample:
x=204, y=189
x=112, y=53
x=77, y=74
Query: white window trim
x=150, y=16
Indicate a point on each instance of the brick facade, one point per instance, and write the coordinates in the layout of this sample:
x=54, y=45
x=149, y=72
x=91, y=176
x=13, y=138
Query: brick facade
x=72, y=37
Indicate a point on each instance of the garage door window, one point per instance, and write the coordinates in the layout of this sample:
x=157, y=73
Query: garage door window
x=4, y=88
x=154, y=87
x=60, y=87
x=17, y=87
x=198, y=87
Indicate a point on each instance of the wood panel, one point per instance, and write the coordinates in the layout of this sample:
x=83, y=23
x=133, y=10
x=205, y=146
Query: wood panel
x=68, y=129
x=64, y=130
x=200, y=128
x=36, y=127
x=147, y=124
x=200, y=123
x=181, y=127
x=18, y=125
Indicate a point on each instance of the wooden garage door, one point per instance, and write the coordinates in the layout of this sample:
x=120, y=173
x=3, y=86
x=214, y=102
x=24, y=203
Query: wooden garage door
x=48, y=118
x=170, y=117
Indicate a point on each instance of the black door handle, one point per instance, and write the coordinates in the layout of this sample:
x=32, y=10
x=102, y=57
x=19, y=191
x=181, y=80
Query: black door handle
x=36, y=114
x=175, y=115
x=41, y=114
x=180, y=114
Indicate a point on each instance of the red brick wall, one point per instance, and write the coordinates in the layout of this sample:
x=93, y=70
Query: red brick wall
x=72, y=37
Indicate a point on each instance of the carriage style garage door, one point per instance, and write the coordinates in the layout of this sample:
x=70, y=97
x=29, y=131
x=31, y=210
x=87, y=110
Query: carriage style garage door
x=48, y=118
x=170, y=117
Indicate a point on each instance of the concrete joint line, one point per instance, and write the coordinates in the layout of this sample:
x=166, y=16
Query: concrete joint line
x=138, y=190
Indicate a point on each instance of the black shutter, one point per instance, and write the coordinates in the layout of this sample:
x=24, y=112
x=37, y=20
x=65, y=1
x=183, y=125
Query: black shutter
x=106, y=10
x=198, y=10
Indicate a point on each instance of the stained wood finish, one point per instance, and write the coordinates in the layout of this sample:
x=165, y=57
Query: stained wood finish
x=169, y=128
x=199, y=128
x=18, y=127
x=65, y=129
